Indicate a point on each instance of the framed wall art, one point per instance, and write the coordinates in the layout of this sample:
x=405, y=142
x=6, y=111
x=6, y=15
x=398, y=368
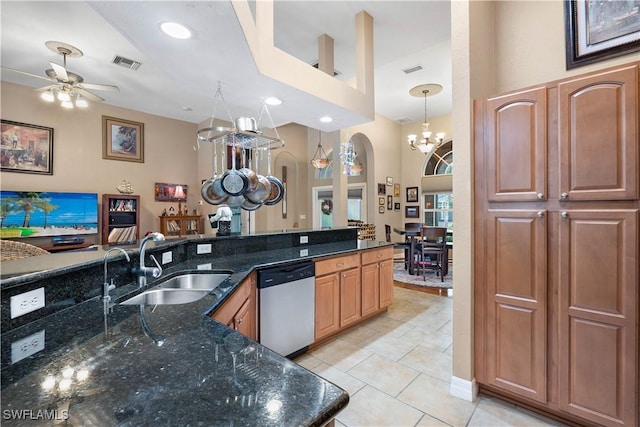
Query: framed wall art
x=382, y=189
x=411, y=212
x=26, y=148
x=389, y=202
x=396, y=206
x=381, y=209
x=381, y=201
x=170, y=192
x=389, y=180
x=122, y=140
x=599, y=30
x=396, y=190
x=412, y=194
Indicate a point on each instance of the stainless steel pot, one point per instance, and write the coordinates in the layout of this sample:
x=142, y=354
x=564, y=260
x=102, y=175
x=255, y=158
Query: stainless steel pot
x=246, y=124
x=277, y=191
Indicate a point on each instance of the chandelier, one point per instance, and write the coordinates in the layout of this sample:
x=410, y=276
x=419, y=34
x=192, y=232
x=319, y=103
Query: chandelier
x=320, y=159
x=425, y=144
x=350, y=162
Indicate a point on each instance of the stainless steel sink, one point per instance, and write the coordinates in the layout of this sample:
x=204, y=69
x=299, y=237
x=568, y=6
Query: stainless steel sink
x=206, y=281
x=181, y=289
x=166, y=296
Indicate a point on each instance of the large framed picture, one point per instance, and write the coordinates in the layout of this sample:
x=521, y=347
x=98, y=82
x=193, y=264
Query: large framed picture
x=412, y=194
x=122, y=140
x=599, y=30
x=411, y=212
x=26, y=148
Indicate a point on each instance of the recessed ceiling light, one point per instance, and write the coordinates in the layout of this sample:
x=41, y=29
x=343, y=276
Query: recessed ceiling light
x=187, y=109
x=175, y=30
x=272, y=100
x=326, y=119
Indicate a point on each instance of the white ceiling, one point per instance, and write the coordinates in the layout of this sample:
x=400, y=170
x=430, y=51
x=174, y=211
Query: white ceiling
x=184, y=73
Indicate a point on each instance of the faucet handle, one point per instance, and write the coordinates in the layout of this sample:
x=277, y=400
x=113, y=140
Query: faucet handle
x=156, y=272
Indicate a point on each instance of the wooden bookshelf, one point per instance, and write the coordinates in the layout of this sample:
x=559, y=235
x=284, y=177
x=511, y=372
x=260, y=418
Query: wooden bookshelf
x=120, y=218
x=180, y=225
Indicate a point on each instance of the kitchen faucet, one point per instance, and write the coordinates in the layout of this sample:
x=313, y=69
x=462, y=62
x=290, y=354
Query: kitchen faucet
x=106, y=286
x=143, y=271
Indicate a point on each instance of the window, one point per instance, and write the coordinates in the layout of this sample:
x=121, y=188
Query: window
x=438, y=209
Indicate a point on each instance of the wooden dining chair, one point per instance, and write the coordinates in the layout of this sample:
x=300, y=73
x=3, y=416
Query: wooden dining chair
x=431, y=251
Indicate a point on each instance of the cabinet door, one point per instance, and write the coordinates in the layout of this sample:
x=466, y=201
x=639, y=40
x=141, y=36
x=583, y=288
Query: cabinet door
x=516, y=146
x=242, y=319
x=598, y=136
x=516, y=302
x=327, y=305
x=350, y=296
x=598, y=315
x=370, y=288
x=386, y=283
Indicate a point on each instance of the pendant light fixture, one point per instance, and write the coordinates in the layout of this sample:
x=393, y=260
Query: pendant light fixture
x=320, y=159
x=425, y=144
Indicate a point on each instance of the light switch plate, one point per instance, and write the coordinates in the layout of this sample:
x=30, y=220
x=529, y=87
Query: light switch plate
x=304, y=239
x=204, y=248
x=27, y=346
x=167, y=257
x=206, y=266
x=304, y=252
x=27, y=302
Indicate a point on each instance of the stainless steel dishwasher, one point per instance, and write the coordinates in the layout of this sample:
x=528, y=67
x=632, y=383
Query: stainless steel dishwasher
x=287, y=307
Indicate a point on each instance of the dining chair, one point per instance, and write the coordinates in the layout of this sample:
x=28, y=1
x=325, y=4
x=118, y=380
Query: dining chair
x=10, y=250
x=397, y=258
x=431, y=251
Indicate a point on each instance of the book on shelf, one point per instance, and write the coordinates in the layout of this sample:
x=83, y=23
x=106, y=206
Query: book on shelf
x=122, y=205
x=122, y=234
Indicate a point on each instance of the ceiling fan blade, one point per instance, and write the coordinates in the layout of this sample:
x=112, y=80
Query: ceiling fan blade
x=61, y=72
x=93, y=86
x=88, y=95
x=42, y=89
x=27, y=74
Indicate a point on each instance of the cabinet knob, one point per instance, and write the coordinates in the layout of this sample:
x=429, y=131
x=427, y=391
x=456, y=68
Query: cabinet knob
x=540, y=196
x=564, y=214
x=540, y=214
x=564, y=196
x=239, y=321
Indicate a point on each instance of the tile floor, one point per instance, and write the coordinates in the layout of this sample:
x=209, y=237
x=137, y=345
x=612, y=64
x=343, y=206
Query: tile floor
x=397, y=368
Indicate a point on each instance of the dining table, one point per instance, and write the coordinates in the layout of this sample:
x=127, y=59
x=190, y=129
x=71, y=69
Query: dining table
x=413, y=235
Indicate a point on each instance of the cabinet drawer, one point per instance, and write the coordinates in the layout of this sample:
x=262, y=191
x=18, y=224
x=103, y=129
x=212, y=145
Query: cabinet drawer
x=375, y=255
x=331, y=265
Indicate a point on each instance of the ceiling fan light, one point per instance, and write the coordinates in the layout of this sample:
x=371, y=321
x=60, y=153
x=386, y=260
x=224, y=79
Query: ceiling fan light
x=81, y=103
x=64, y=97
x=66, y=104
x=47, y=96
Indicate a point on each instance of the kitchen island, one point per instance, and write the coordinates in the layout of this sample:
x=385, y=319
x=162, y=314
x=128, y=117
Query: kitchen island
x=178, y=370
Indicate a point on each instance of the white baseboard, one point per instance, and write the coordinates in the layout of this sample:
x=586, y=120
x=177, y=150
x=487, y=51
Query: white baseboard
x=467, y=390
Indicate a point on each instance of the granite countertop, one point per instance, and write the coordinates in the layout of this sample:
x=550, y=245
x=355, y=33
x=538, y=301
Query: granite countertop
x=178, y=372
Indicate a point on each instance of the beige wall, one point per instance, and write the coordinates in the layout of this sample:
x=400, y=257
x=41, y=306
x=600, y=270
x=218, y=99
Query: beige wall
x=78, y=165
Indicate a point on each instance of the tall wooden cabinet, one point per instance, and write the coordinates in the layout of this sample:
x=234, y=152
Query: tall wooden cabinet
x=556, y=243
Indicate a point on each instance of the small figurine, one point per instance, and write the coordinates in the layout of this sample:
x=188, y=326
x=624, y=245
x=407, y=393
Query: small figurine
x=195, y=211
x=172, y=211
x=223, y=216
x=164, y=212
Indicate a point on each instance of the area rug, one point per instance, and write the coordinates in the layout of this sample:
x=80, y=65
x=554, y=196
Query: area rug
x=432, y=280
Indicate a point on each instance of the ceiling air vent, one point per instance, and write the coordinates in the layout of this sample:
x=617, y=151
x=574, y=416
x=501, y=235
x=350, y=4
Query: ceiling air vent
x=403, y=120
x=412, y=69
x=126, y=62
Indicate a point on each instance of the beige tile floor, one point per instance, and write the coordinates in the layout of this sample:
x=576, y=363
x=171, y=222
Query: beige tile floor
x=397, y=370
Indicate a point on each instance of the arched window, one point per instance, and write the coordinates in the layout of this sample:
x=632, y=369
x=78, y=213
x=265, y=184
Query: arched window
x=441, y=160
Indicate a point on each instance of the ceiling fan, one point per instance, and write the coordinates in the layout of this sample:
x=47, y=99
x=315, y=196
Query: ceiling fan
x=67, y=86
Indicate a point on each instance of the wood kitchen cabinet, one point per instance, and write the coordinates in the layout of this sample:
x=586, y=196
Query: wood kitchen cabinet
x=239, y=311
x=556, y=247
x=377, y=280
x=327, y=305
x=350, y=296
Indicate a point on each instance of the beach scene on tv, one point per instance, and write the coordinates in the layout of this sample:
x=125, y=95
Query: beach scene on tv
x=39, y=214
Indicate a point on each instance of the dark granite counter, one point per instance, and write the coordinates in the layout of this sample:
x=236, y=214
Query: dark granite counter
x=99, y=369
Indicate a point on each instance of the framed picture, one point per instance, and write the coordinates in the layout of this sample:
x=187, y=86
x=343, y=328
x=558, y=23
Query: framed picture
x=26, y=148
x=381, y=209
x=170, y=192
x=122, y=140
x=389, y=202
x=382, y=189
x=595, y=31
x=396, y=206
x=381, y=201
x=412, y=194
x=389, y=180
x=411, y=212
x=396, y=190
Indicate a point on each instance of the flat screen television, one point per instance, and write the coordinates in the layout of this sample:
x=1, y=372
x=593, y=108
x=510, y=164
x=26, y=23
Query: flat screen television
x=47, y=214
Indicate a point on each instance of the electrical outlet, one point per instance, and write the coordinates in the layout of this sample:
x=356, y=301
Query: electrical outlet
x=304, y=252
x=27, y=302
x=206, y=266
x=204, y=248
x=27, y=346
x=167, y=257
x=304, y=239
